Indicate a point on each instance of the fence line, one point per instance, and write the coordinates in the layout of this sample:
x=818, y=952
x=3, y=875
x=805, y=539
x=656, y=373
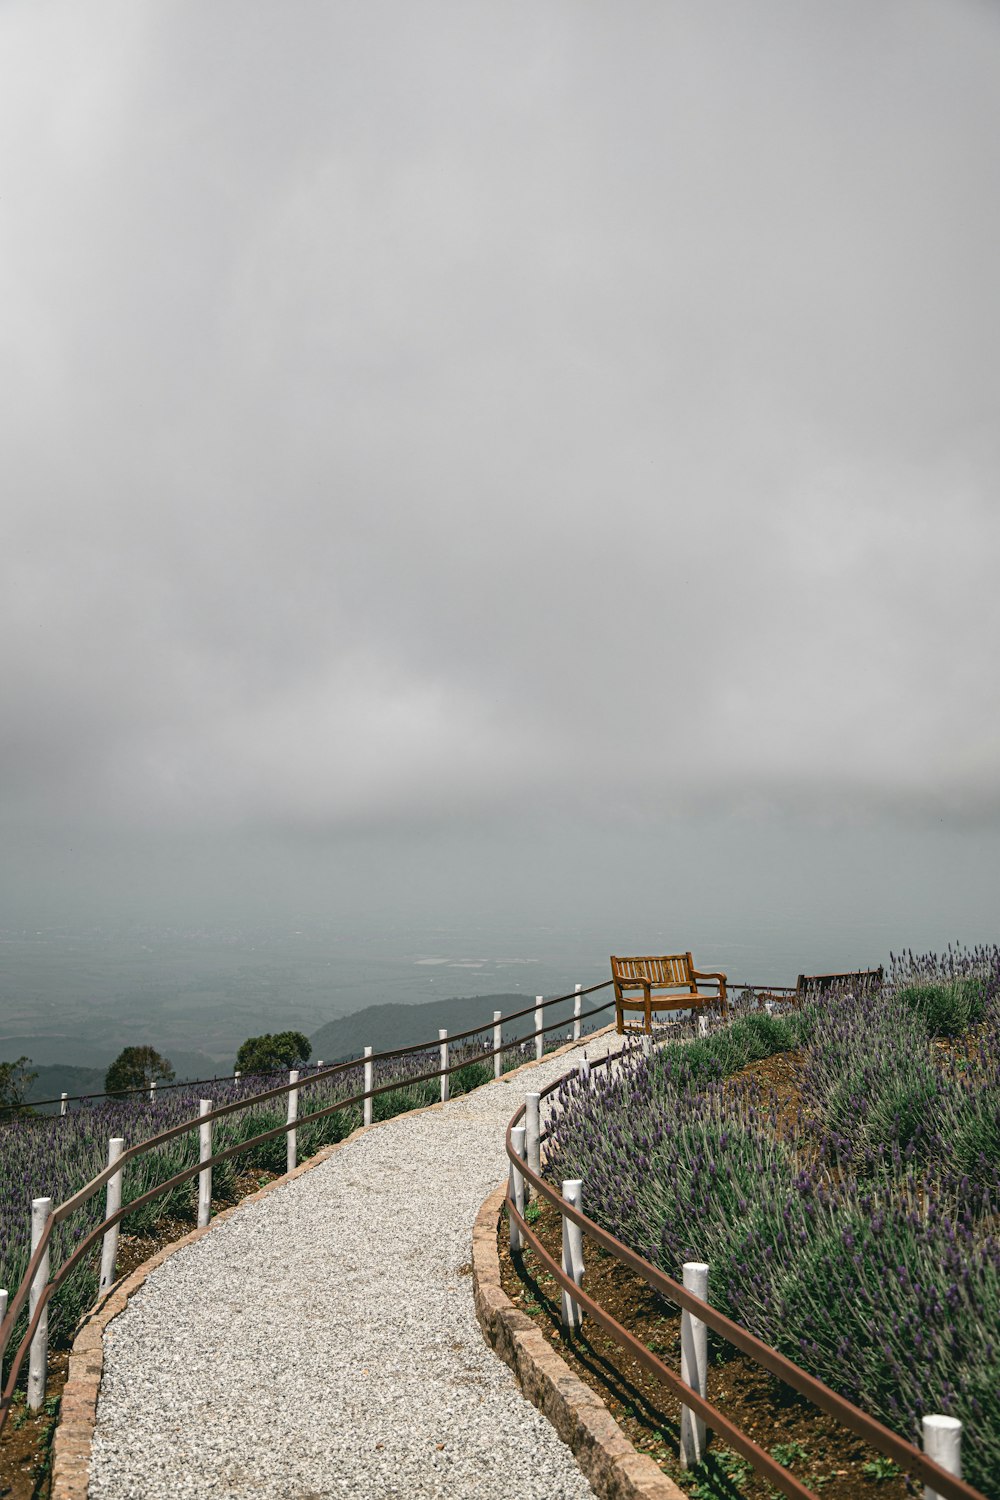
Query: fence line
x=695, y=1408
x=193, y=1083
x=36, y=1287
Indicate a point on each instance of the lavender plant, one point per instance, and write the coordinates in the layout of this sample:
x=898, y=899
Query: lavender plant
x=967, y=1133
x=951, y=991
x=879, y=1093
x=870, y=1083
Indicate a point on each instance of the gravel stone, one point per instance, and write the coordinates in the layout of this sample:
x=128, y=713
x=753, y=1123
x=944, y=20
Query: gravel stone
x=323, y=1341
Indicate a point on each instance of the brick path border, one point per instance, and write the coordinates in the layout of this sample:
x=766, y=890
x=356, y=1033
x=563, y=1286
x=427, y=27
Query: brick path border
x=615, y=1469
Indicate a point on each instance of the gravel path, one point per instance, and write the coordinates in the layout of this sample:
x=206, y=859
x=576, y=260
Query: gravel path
x=323, y=1341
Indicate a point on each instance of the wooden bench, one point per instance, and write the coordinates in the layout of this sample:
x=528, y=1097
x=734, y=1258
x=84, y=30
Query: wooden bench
x=858, y=981
x=669, y=982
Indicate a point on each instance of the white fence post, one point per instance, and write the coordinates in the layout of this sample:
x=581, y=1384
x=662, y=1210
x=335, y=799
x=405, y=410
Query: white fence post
x=943, y=1443
x=516, y=1188
x=539, y=1023
x=443, y=1035
x=237, y=1075
x=647, y=1044
x=41, y=1209
x=577, y=1002
x=292, y=1153
x=585, y=1067
x=62, y=1103
x=694, y=1360
x=205, y=1175
x=3, y=1303
x=369, y=1084
x=152, y=1091
x=533, y=1131
x=112, y=1203
x=572, y=1254
x=497, y=1043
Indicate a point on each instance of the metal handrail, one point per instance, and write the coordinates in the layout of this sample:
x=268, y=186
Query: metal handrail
x=912, y=1459
x=761, y=1460
x=84, y=1194
x=193, y=1083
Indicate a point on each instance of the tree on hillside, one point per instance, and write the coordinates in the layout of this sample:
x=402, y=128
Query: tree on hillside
x=15, y=1081
x=136, y=1068
x=273, y=1053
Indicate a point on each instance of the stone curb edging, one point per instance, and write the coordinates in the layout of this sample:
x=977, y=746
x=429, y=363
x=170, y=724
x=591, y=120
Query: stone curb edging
x=614, y=1468
x=71, y=1445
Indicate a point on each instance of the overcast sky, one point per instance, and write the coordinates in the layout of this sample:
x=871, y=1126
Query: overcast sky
x=425, y=420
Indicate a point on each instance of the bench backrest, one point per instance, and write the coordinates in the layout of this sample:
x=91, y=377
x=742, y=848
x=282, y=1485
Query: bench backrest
x=662, y=971
x=859, y=981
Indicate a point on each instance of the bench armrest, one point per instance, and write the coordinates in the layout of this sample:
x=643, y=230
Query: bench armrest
x=704, y=974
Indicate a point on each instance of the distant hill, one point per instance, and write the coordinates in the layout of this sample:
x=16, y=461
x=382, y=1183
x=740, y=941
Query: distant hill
x=386, y=1026
x=57, y=1078
x=51, y=1049
x=381, y=1027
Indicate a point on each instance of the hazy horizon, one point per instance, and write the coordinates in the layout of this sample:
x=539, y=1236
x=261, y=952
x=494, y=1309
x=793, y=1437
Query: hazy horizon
x=487, y=482
x=299, y=936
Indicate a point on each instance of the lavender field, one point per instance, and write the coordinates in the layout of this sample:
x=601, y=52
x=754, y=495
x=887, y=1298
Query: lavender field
x=858, y=1233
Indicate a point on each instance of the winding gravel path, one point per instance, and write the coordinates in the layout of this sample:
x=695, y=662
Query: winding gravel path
x=323, y=1341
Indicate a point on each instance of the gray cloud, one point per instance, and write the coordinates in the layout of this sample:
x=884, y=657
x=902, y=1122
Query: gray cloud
x=414, y=414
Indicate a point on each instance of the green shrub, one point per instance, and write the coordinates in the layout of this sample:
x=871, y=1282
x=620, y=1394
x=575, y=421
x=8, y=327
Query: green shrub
x=398, y=1101
x=464, y=1080
x=947, y=1007
x=326, y=1132
x=136, y=1068
x=747, y=1039
x=273, y=1052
